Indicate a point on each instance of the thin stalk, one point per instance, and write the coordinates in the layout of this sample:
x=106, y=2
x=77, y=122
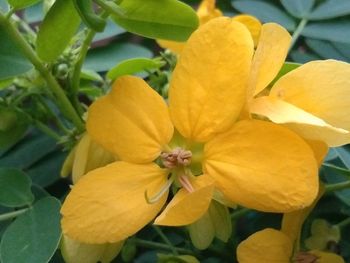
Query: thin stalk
x=45, y=129
x=297, y=32
x=241, y=212
x=58, y=122
x=165, y=239
x=11, y=215
x=80, y=60
x=75, y=82
x=110, y=7
x=342, y=170
x=343, y=223
x=62, y=101
x=338, y=186
x=156, y=245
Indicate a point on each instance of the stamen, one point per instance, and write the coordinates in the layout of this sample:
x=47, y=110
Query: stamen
x=186, y=183
x=161, y=192
x=176, y=157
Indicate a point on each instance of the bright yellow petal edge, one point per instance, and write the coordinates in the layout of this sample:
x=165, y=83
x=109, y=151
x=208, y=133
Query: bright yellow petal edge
x=132, y=121
x=266, y=246
x=108, y=204
x=196, y=107
x=263, y=166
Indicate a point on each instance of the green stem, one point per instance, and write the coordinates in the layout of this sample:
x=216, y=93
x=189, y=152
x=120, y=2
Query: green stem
x=343, y=223
x=80, y=60
x=62, y=101
x=156, y=245
x=110, y=7
x=41, y=126
x=165, y=239
x=58, y=122
x=297, y=32
x=13, y=214
x=241, y=212
x=337, y=186
x=340, y=169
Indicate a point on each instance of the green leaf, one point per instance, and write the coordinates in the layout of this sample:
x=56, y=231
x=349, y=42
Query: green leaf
x=46, y=171
x=132, y=66
x=333, y=176
x=13, y=125
x=344, y=155
x=325, y=49
x=90, y=75
x=28, y=151
x=344, y=49
x=303, y=57
x=266, y=12
x=104, y=58
x=165, y=19
x=34, y=236
x=330, y=9
x=338, y=31
x=19, y=4
x=111, y=30
x=87, y=14
x=298, y=8
x=287, y=67
x=12, y=62
x=59, y=26
x=15, y=188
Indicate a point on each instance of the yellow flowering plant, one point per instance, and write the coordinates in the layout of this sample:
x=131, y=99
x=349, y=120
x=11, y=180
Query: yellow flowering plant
x=212, y=147
x=215, y=150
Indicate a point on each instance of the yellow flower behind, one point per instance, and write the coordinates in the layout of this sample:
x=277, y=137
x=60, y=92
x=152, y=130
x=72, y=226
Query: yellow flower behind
x=270, y=245
x=207, y=11
x=198, y=140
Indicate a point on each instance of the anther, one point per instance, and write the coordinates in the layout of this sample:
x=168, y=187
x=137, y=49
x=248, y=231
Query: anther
x=177, y=157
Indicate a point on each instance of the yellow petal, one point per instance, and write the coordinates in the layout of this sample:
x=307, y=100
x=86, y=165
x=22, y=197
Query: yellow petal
x=326, y=257
x=263, y=166
x=253, y=25
x=304, y=123
x=89, y=156
x=185, y=208
x=266, y=246
x=204, y=99
x=76, y=252
x=68, y=163
x=81, y=158
x=132, y=121
x=320, y=150
x=108, y=204
x=269, y=56
x=207, y=11
x=320, y=88
x=173, y=46
x=292, y=222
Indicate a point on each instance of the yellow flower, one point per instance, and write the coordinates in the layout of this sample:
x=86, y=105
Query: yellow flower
x=254, y=163
x=86, y=156
x=312, y=100
x=207, y=11
x=270, y=245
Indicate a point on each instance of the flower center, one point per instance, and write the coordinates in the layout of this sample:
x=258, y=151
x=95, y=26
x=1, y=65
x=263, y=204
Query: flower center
x=305, y=257
x=177, y=161
x=175, y=158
